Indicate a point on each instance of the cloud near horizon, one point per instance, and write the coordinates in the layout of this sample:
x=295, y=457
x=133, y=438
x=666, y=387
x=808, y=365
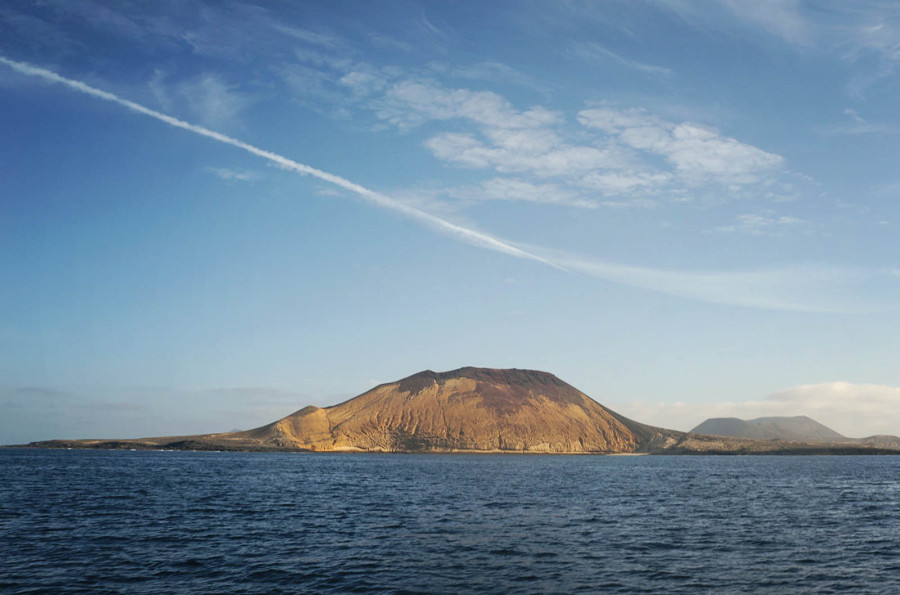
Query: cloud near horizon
x=854, y=410
x=136, y=412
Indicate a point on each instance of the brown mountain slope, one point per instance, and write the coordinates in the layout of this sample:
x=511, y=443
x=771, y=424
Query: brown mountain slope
x=470, y=409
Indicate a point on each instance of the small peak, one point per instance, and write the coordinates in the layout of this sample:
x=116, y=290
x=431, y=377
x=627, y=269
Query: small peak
x=417, y=382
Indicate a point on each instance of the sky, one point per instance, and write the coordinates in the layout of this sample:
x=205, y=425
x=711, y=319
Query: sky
x=213, y=214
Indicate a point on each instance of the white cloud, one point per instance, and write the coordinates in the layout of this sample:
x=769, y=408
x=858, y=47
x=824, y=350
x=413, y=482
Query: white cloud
x=513, y=189
x=699, y=153
x=613, y=121
x=853, y=31
x=597, y=53
x=212, y=100
x=858, y=126
x=206, y=97
x=467, y=234
x=781, y=18
x=311, y=37
x=762, y=224
x=490, y=70
x=231, y=174
x=616, y=158
x=807, y=289
x=315, y=86
x=409, y=103
x=854, y=410
x=559, y=161
x=362, y=83
x=624, y=183
x=852, y=113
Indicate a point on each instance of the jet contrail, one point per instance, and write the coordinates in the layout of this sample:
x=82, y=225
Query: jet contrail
x=797, y=288
x=470, y=235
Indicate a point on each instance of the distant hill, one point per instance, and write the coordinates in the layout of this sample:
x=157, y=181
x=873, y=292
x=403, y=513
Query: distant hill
x=484, y=410
x=792, y=429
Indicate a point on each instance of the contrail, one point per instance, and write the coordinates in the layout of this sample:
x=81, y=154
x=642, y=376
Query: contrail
x=798, y=288
x=469, y=235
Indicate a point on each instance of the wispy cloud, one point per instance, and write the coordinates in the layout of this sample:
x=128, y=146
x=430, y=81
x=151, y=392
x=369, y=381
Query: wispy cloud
x=318, y=38
x=858, y=126
x=809, y=289
x=620, y=157
x=781, y=18
x=91, y=412
x=862, y=33
x=514, y=189
x=533, y=146
x=206, y=97
x=798, y=288
x=469, y=235
x=410, y=103
x=612, y=161
x=697, y=152
x=232, y=175
x=597, y=53
x=762, y=224
x=214, y=101
x=490, y=70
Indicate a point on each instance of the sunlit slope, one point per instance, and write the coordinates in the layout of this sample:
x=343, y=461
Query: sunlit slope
x=467, y=409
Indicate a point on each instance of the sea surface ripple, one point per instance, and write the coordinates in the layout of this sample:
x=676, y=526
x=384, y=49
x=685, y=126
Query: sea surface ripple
x=205, y=522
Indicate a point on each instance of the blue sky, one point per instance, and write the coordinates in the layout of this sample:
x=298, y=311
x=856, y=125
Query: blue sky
x=213, y=214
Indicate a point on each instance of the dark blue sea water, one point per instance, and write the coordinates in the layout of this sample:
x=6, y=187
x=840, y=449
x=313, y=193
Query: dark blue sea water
x=183, y=522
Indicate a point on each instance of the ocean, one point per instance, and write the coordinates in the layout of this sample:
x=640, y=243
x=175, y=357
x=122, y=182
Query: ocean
x=210, y=522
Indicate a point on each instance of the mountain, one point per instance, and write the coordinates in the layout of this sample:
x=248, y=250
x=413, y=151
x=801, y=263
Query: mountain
x=478, y=410
x=792, y=429
x=470, y=409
